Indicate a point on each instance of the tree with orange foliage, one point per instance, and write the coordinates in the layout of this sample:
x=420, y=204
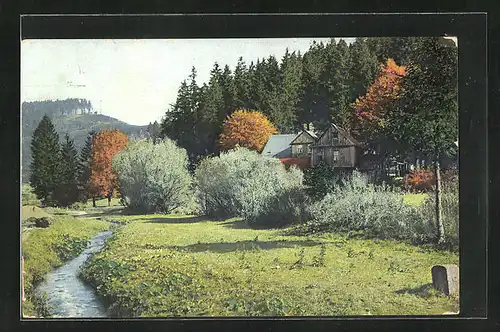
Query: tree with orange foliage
x=370, y=109
x=245, y=128
x=105, y=145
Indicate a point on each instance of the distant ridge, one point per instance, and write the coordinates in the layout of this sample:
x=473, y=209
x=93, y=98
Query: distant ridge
x=74, y=116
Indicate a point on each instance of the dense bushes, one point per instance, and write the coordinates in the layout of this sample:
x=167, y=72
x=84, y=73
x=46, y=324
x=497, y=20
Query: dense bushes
x=419, y=180
x=378, y=211
x=322, y=179
x=259, y=189
x=153, y=177
x=423, y=180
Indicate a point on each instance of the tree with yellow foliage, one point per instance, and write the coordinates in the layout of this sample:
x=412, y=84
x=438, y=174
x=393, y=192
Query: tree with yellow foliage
x=246, y=128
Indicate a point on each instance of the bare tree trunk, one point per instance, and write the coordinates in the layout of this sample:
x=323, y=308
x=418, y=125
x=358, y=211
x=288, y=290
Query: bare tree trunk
x=93, y=201
x=439, y=214
x=109, y=200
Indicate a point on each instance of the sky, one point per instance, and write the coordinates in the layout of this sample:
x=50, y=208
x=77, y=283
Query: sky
x=134, y=80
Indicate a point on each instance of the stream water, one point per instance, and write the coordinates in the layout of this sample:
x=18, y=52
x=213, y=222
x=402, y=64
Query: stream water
x=67, y=295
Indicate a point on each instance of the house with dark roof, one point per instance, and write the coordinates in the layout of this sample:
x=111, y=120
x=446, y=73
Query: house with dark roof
x=337, y=148
x=301, y=144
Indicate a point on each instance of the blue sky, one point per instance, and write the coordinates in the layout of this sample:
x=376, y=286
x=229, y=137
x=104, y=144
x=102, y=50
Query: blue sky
x=133, y=80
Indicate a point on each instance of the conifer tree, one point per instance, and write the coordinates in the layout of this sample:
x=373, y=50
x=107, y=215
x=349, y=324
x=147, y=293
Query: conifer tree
x=85, y=168
x=338, y=78
x=364, y=67
x=67, y=190
x=46, y=160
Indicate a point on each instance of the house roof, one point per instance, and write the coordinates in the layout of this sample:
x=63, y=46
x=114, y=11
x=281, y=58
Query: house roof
x=310, y=133
x=344, y=133
x=277, y=144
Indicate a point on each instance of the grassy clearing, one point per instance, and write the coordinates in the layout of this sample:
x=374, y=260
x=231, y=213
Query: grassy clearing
x=47, y=248
x=29, y=211
x=415, y=199
x=161, y=265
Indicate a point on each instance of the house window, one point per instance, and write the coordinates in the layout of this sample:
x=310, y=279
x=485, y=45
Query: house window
x=335, y=155
x=319, y=157
x=299, y=149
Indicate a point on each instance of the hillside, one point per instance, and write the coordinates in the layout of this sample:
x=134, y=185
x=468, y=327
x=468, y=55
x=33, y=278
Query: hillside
x=77, y=122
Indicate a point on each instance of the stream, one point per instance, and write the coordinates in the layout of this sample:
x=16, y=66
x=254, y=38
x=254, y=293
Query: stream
x=67, y=295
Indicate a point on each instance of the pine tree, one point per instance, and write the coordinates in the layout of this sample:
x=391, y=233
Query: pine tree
x=45, y=174
x=242, y=85
x=285, y=114
x=314, y=100
x=85, y=168
x=154, y=132
x=228, y=92
x=338, y=79
x=67, y=191
x=364, y=67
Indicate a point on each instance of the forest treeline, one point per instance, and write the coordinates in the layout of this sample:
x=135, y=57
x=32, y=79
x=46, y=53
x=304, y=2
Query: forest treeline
x=295, y=92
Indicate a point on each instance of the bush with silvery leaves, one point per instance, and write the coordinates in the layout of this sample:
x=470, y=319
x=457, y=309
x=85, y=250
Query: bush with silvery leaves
x=378, y=211
x=243, y=183
x=153, y=177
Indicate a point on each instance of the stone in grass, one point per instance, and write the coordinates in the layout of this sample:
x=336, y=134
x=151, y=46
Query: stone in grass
x=42, y=222
x=445, y=278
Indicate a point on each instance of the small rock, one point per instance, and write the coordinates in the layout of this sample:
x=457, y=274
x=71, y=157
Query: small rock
x=445, y=278
x=43, y=222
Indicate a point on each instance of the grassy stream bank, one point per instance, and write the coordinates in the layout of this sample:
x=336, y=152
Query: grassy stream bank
x=47, y=248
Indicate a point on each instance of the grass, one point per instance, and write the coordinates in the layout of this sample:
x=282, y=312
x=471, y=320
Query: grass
x=47, y=248
x=414, y=199
x=160, y=266
x=28, y=211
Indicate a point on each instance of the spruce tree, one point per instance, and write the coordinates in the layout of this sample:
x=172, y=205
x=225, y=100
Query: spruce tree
x=241, y=85
x=314, y=101
x=85, y=168
x=338, y=79
x=67, y=191
x=285, y=113
x=364, y=67
x=45, y=174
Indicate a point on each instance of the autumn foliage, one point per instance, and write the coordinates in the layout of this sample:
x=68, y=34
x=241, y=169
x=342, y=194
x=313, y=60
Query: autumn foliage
x=370, y=109
x=105, y=145
x=301, y=162
x=249, y=129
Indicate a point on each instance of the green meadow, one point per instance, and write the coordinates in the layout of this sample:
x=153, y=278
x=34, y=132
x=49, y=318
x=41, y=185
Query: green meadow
x=165, y=265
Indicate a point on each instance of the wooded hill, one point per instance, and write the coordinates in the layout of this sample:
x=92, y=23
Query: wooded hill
x=73, y=116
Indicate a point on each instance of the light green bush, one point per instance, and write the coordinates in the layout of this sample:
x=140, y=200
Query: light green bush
x=28, y=196
x=153, y=177
x=245, y=184
x=377, y=211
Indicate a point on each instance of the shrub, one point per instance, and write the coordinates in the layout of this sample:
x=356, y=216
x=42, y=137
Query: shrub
x=424, y=180
x=419, y=180
x=377, y=211
x=29, y=196
x=153, y=177
x=244, y=183
x=321, y=179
